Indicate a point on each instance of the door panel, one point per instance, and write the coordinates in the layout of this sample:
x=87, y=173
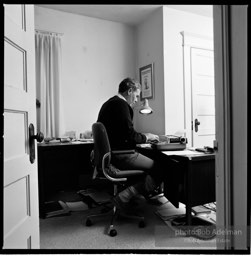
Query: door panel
x=14, y=136
x=15, y=69
x=203, y=97
x=16, y=13
x=21, y=222
x=20, y=202
x=204, y=105
x=206, y=87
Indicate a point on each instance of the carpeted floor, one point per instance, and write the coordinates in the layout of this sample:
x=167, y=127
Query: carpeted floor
x=70, y=232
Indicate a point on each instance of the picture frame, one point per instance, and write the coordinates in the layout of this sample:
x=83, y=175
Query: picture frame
x=147, y=81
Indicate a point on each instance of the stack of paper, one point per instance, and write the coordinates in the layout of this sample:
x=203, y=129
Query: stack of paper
x=77, y=206
x=56, y=208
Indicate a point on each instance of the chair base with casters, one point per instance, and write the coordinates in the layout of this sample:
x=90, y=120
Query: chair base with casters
x=113, y=212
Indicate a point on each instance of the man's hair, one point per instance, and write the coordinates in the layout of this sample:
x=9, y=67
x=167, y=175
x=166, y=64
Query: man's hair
x=128, y=83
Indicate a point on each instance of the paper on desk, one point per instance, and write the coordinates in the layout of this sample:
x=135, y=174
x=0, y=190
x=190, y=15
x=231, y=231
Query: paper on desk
x=86, y=140
x=144, y=145
x=54, y=141
x=76, y=142
x=82, y=141
x=184, y=152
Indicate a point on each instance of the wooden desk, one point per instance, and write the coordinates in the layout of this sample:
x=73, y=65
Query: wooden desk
x=190, y=177
x=60, y=166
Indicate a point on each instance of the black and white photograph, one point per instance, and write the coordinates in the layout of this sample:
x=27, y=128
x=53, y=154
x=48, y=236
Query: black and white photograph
x=124, y=129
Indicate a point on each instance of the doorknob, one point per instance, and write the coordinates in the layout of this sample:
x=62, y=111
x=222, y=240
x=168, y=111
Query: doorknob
x=32, y=137
x=196, y=124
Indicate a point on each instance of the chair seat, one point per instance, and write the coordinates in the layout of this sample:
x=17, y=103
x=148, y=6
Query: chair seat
x=117, y=173
x=128, y=173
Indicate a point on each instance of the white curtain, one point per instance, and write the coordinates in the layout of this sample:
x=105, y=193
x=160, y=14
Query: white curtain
x=48, y=83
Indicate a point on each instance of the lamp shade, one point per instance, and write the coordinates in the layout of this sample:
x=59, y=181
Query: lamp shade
x=145, y=109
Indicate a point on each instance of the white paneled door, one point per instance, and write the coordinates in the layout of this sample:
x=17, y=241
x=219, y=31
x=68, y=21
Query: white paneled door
x=203, y=97
x=21, y=221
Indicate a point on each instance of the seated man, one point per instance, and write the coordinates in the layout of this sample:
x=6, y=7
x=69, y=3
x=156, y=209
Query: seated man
x=116, y=114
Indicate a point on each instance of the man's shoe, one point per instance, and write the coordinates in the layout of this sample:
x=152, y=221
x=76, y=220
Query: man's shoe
x=155, y=196
x=158, y=192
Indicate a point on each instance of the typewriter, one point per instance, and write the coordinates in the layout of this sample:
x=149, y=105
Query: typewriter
x=170, y=142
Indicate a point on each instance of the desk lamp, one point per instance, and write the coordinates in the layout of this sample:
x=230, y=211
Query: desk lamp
x=145, y=108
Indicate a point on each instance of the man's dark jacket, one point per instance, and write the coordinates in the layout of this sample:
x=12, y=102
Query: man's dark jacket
x=117, y=116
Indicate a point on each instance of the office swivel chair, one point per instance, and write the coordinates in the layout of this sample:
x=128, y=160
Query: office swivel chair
x=104, y=169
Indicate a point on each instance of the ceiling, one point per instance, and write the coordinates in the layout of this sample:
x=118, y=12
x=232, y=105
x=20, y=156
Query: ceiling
x=127, y=14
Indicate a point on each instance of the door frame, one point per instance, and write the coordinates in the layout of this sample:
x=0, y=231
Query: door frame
x=230, y=49
x=1, y=159
x=189, y=41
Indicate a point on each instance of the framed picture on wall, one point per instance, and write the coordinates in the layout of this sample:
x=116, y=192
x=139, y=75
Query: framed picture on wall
x=146, y=81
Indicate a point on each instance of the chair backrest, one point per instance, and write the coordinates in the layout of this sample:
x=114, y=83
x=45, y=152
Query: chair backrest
x=101, y=144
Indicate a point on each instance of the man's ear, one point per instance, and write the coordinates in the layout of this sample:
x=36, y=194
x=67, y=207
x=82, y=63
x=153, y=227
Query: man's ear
x=129, y=91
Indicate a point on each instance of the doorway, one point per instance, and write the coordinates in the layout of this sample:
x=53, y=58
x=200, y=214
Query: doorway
x=199, y=95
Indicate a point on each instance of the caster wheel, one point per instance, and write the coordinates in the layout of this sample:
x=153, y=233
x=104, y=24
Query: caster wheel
x=88, y=222
x=113, y=232
x=142, y=224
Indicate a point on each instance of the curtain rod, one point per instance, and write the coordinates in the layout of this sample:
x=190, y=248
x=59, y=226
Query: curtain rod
x=48, y=32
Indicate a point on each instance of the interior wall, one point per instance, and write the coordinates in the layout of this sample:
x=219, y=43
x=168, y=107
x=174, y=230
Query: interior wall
x=96, y=55
x=149, y=37
x=174, y=22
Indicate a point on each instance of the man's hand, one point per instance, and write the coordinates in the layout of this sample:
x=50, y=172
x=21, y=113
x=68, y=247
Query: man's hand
x=151, y=137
